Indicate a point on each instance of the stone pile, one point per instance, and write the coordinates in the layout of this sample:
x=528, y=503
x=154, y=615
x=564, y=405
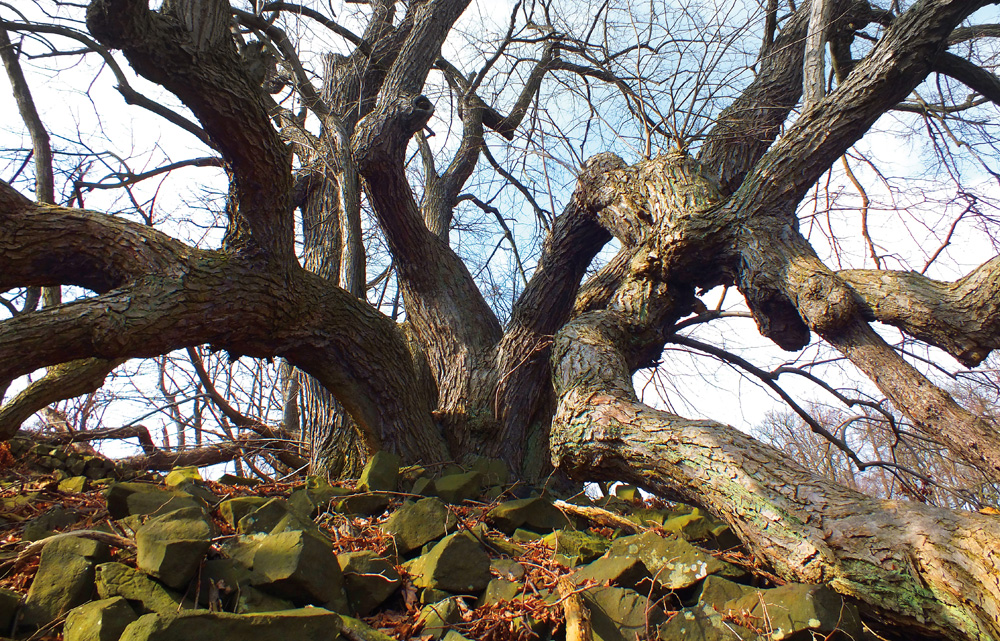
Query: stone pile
x=216, y=562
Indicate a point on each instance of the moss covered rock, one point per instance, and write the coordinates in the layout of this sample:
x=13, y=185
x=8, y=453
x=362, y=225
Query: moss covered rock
x=172, y=546
x=305, y=624
x=416, y=524
x=65, y=578
x=456, y=564
x=103, y=620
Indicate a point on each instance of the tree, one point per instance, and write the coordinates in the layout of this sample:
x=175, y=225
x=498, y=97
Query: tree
x=718, y=208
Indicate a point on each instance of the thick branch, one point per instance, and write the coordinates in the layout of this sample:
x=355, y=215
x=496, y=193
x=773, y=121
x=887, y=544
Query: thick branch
x=544, y=306
x=980, y=80
x=187, y=48
x=925, y=568
x=898, y=63
x=50, y=245
x=962, y=318
x=173, y=296
x=59, y=383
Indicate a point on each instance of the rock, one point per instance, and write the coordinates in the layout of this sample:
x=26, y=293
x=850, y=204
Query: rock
x=532, y=513
x=801, y=610
x=183, y=475
x=242, y=548
x=424, y=487
x=674, y=562
x=433, y=595
x=227, y=583
x=494, y=471
x=499, y=590
x=315, y=497
x=368, y=580
x=457, y=564
x=65, y=578
x=238, y=481
x=525, y=536
x=74, y=484
x=507, y=569
x=493, y=493
x=47, y=524
x=118, y=579
x=436, y=618
x=691, y=527
x=617, y=614
x=628, y=493
x=250, y=600
x=380, y=473
x=456, y=488
x=171, y=547
x=619, y=571
x=126, y=499
x=103, y=620
x=300, y=567
x=416, y=524
x=292, y=522
x=9, y=602
x=359, y=630
x=305, y=624
x=717, y=591
x=265, y=518
x=367, y=504
x=234, y=509
x=703, y=623
x=579, y=547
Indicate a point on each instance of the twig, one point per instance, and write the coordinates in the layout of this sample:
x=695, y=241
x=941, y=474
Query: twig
x=577, y=614
x=601, y=516
x=36, y=547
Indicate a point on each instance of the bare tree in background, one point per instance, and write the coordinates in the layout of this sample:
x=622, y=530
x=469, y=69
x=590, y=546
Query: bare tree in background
x=321, y=139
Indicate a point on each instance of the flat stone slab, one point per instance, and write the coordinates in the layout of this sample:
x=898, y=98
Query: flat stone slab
x=674, y=562
x=455, y=488
x=617, y=614
x=717, y=591
x=581, y=546
x=703, y=623
x=125, y=499
x=535, y=514
x=618, y=571
x=367, y=503
x=305, y=624
x=803, y=610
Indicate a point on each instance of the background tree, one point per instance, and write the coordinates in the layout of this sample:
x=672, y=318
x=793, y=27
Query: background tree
x=318, y=140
